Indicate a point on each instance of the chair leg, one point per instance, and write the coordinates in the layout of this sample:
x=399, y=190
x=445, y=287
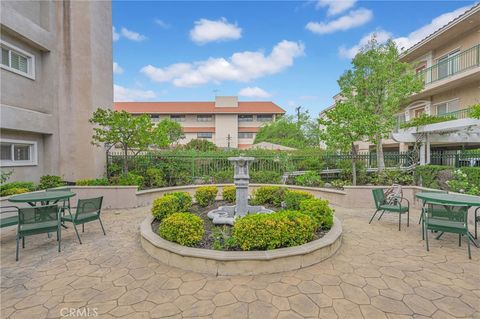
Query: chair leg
x=476, y=221
x=101, y=224
x=23, y=242
x=18, y=243
x=426, y=239
x=468, y=245
x=59, y=237
x=83, y=228
x=379, y=217
x=459, y=240
x=421, y=217
x=373, y=216
x=408, y=217
x=399, y=221
x=76, y=231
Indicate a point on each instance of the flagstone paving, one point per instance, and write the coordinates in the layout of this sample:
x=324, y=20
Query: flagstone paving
x=378, y=272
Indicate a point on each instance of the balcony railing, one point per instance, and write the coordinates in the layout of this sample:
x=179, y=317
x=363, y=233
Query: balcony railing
x=456, y=64
x=455, y=115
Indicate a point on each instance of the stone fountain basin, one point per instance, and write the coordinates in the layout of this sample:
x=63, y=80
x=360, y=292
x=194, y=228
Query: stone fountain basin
x=222, y=263
x=225, y=215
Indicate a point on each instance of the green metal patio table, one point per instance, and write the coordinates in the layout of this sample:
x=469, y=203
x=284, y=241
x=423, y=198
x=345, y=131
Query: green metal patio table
x=450, y=199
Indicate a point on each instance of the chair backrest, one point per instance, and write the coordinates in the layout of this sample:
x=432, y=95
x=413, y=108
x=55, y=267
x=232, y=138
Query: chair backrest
x=89, y=205
x=378, y=197
x=37, y=214
x=453, y=213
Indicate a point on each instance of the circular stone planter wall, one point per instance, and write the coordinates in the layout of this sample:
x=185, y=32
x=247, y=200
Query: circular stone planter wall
x=240, y=262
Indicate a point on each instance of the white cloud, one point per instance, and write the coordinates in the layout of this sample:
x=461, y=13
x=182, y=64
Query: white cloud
x=254, y=92
x=408, y=41
x=353, y=19
x=123, y=94
x=349, y=53
x=241, y=66
x=117, y=69
x=335, y=6
x=115, y=35
x=162, y=24
x=132, y=35
x=220, y=30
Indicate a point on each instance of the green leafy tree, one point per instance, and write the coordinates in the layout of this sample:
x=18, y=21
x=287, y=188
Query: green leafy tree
x=167, y=132
x=341, y=127
x=475, y=112
x=285, y=131
x=200, y=145
x=379, y=84
x=130, y=133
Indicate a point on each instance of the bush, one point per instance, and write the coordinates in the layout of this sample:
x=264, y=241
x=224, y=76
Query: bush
x=154, y=178
x=461, y=184
x=265, y=177
x=15, y=191
x=396, y=176
x=29, y=186
x=130, y=179
x=319, y=211
x=473, y=175
x=206, y=195
x=294, y=197
x=275, y=230
x=339, y=184
x=50, y=181
x=200, y=145
x=311, y=179
x=165, y=206
x=223, y=176
x=184, y=200
x=92, y=182
x=185, y=229
x=229, y=194
x=347, y=173
x=272, y=195
x=427, y=175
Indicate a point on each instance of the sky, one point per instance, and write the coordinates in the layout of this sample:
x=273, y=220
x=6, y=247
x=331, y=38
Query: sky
x=288, y=52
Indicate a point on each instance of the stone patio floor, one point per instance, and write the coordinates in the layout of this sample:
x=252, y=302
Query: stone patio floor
x=378, y=272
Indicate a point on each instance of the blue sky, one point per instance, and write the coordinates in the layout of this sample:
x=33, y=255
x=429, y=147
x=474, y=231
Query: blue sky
x=290, y=52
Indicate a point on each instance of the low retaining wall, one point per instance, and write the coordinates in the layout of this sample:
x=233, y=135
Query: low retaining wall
x=240, y=262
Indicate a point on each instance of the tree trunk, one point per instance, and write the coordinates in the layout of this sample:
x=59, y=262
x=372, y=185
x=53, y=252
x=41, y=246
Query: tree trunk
x=380, y=158
x=354, y=165
x=125, y=160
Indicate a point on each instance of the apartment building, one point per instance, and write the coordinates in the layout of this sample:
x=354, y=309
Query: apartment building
x=448, y=61
x=226, y=121
x=56, y=68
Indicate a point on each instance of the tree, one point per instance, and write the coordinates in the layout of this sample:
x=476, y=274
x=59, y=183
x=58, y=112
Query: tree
x=131, y=133
x=341, y=127
x=166, y=133
x=200, y=145
x=379, y=84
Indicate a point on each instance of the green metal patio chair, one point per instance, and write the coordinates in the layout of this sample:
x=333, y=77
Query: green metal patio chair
x=38, y=220
x=423, y=202
x=447, y=219
x=394, y=206
x=477, y=220
x=87, y=210
x=10, y=220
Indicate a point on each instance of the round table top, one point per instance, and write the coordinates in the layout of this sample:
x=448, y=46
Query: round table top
x=453, y=199
x=41, y=196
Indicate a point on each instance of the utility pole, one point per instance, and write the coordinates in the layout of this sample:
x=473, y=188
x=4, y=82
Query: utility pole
x=298, y=108
x=229, y=138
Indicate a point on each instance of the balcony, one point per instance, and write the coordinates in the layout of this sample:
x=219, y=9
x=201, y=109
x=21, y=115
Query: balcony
x=459, y=63
x=450, y=116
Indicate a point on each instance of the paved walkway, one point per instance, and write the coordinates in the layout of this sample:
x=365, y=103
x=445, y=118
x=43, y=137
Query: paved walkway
x=377, y=273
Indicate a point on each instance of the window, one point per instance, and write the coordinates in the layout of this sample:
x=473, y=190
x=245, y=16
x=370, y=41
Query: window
x=204, y=135
x=245, y=135
x=447, y=107
x=18, y=153
x=155, y=117
x=17, y=60
x=245, y=118
x=178, y=118
x=448, y=64
x=204, y=118
x=264, y=117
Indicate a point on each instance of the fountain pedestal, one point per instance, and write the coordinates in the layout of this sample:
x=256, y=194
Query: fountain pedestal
x=228, y=214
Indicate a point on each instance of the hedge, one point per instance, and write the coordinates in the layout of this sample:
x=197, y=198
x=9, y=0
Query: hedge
x=185, y=229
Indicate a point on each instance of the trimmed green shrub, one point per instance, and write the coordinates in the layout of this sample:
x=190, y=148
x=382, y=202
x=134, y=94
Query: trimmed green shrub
x=130, y=179
x=319, y=211
x=395, y=176
x=461, y=184
x=92, y=182
x=229, y=194
x=427, y=175
x=294, y=197
x=184, y=200
x=223, y=176
x=206, y=195
x=265, y=177
x=473, y=175
x=271, y=231
x=15, y=191
x=311, y=179
x=200, y=145
x=339, y=184
x=273, y=195
x=165, y=206
x=154, y=178
x=50, y=181
x=30, y=186
x=185, y=229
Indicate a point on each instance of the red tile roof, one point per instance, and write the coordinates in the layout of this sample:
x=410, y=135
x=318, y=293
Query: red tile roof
x=198, y=129
x=196, y=108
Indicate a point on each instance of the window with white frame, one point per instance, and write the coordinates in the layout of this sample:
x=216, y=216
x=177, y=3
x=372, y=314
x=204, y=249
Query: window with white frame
x=178, y=118
x=154, y=118
x=264, y=117
x=18, y=153
x=204, y=118
x=18, y=61
x=204, y=135
x=245, y=135
x=447, y=107
x=245, y=118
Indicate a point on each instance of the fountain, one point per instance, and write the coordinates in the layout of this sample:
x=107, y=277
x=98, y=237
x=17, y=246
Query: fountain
x=228, y=214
